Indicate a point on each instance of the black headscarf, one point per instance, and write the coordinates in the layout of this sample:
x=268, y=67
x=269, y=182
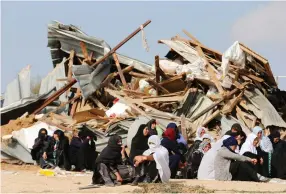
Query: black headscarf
x=272, y=136
x=139, y=143
x=149, y=125
x=42, y=136
x=112, y=152
x=237, y=127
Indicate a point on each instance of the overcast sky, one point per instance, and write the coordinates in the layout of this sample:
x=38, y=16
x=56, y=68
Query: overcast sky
x=259, y=25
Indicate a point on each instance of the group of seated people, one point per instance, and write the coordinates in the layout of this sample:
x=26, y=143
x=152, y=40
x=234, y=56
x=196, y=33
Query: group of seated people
x=156, y=158
x=79, y=154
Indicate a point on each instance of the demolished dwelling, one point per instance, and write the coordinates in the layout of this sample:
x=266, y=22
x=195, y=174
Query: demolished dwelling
x=105, y=92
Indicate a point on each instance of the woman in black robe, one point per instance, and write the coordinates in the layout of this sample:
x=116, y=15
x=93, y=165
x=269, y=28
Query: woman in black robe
x=139, y=145
x=278, y=167
x=82, y=151
x=152, y=127
x=56, y=152
x=38, y=147
x=107, y=170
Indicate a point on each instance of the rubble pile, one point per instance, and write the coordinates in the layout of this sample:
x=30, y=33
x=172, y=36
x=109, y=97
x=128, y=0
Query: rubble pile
x=92, y=86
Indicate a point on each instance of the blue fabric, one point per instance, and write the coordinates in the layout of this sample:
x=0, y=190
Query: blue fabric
x=172, y=125
x=231, y=141
x=181, y=139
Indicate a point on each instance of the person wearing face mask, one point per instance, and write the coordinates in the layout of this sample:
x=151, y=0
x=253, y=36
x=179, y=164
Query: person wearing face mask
x=107, y=170
x=38, y=147
x=194, y=161
x=157, y=160
x=232, y=166
x=56, y=152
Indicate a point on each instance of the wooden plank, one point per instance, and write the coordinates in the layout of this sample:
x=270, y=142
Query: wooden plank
x=132, y=92
x=252, y=53
x=87, y=115
x=72, y=54
x=98, y=103
x=184, y=127
x=251, y=76
x=192, y=37
x=210, y=118
x=119, y=70
x=157, y=86
x=74, y=106
x=210, y=71
x=162, y=99
x=174, y=84
x=159, y=70
x=140, y=75
x=231, y=104
x=157, y=76
x=84, y=50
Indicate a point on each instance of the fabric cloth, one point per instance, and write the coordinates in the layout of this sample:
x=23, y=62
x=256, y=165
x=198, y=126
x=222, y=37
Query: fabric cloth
x=139, y=143
x=207, y=167
x=202, y=146
x=111, y=154
x=265, y=143
x=39, y=144
x=231, y=141
x=208, y=136
x=223, y=160
x=151, y=130
x=161, y=157
x=248, y=145
x=179, y=136
x=241, y=171
x=170, y=134
x=198, y=133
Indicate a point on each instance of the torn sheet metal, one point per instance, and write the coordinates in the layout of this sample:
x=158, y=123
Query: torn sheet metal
x=51, y=81
x=90, y=79
x=263, y=109
x=64, y=38
x=17, y=109
x=19, y=88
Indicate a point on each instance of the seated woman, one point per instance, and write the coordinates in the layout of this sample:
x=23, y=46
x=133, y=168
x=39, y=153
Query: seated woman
x=139, y=145
x=56, y=152
x=107, y=170
x=232, y=166
x=175, y=157
x=194, y=160
x=156, y=158
x=278, y=167
x=38, y=147
x=181, y=142
x=249, y=149
x=152, y=127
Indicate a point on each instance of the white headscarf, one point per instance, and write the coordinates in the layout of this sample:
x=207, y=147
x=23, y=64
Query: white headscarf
x=198, y=133
x=265, y=143
x=207, y=136
x=161, y=157
x=248, y=145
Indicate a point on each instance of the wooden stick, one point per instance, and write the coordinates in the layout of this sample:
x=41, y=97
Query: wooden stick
x=140, y=75
x=211, y=117
x=84, y=50
x=119, y=70
x=158, y=86
x=98, y=103
x=192, y=37
x=120, y=44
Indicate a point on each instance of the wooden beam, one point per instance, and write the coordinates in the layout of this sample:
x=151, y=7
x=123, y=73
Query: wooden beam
x=121, y=43
x=140, y=75
x=211, y=72
x=157, y=86
x=74, y=106
x=119, y=70
x=157, y=76
x=161, y=99
x=210, y=118
x=55, y=96
x=98, y=103
x=192, y=37
x=84, y=50
x=231, y=104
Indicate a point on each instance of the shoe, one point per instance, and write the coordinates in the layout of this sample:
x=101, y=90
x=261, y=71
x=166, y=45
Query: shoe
x=109, y=184
x=135, y=181
x=147, y=179
x=262, y=178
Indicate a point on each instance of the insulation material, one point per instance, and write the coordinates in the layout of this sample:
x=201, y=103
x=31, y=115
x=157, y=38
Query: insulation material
x=263, y=109
x=19, y=88
x=26, y=136
x=168, y=66
x=118, y=110
x=51, y=82
x=235, y=55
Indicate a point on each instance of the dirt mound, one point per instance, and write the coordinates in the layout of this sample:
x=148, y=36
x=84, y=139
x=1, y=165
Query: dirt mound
x=171, y=188
x=19, y=123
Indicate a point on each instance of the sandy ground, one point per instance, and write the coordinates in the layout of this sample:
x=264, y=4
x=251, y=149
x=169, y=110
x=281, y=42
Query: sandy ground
x=25, y=179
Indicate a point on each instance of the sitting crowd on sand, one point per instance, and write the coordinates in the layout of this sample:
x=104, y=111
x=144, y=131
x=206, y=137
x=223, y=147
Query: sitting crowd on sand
x=155, y=158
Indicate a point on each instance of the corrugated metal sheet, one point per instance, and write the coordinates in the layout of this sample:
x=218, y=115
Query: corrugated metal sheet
x=19, y=88
x=50, y=81
x=263, y=109
x=64, y=38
